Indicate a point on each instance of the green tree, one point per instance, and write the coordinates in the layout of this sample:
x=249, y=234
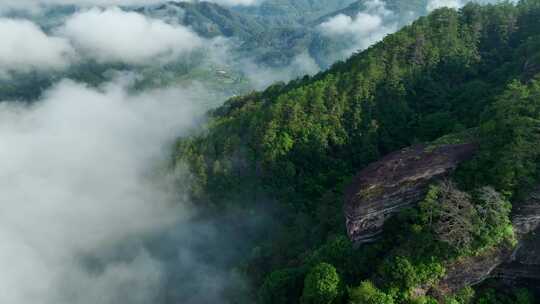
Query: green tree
x=367, y=293
x=322, y=285
x=279, y=286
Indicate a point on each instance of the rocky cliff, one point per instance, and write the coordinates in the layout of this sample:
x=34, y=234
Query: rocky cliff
x=398, y=180
x=402, y=178
x=509, y=264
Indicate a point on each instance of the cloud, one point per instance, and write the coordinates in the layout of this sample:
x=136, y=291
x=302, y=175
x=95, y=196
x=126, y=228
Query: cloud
x=236, y=2
x=26, y=47
x=113, y=35
x=80, y=176
x=37, y=5
x=261, y=76
x=435, y=4
x=362, y=30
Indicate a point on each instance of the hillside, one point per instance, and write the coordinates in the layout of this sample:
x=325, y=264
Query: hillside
x=293, y=148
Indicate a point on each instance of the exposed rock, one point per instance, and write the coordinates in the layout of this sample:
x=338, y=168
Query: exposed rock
x=470, y=271
x=520, y=263
x=526, y=215
x=524, y=264
x=402, y=178
x=398, y=180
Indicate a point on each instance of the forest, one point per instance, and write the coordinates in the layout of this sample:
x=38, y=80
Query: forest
x=467, y=75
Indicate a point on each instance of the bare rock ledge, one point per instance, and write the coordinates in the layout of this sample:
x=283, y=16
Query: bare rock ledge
x=398, y=180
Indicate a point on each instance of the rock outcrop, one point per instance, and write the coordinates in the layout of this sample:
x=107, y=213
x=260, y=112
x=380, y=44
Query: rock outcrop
x=398, y=180
x=526, y=215
x=510, y=264
x=402, y=178
x=524, y=263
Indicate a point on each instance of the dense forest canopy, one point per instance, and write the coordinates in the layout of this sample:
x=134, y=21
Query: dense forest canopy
x=454, y=75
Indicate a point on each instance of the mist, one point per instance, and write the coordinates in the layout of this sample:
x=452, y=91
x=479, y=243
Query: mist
x=37, y=51
x=35, y=6
x=113, y=35
x=83, y=178
x=362, y=30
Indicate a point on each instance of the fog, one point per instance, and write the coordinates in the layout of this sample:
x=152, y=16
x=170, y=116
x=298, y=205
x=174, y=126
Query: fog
x=35, y=6
x=113, y=35
x=82, y=173
x=36, y=51
x=364, y=29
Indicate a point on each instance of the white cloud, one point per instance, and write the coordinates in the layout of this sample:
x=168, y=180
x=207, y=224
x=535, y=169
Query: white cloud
x=364, y=29
x=37, y=5
x=78, y=176
x=26, y=47
x=113, y=35
x=261, y=76
x=236, y=2
x=435, y=4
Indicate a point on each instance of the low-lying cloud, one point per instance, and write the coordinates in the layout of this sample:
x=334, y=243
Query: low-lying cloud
x=455, y=4
x=81, y=175
x=435, y=4
x=26, y=47
x=260, y=76
x=37, y=5
x=113, y=35
x=104, y=35
x=362, y=30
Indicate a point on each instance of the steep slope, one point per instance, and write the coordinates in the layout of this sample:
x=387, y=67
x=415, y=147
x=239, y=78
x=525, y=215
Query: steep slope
x=299, y=143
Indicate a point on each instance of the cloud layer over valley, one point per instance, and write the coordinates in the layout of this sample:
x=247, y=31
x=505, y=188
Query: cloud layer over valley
x=79, y=176
x=363, y=29
x=37, y=5
x=36, y=50
x=115, y=35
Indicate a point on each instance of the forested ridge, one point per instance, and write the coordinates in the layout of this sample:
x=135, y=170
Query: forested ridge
x=452, y=76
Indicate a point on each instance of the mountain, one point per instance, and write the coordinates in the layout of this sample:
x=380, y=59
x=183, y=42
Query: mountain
x=256, y=40
x=405, y=10
x=207, y=19
x=466, y=77
x=293, y=12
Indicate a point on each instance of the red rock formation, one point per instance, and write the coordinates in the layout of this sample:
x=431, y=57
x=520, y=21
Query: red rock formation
x=398, y=180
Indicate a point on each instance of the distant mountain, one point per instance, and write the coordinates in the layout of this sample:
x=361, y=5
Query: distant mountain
x=272, y=35
x=406, y=11
x=207, y=19
x=293, y=12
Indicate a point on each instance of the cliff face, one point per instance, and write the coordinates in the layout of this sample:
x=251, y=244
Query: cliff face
x=402, y=178
x=524, y=263
x=396, y=181
x=526, y=215
x=517, y=264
